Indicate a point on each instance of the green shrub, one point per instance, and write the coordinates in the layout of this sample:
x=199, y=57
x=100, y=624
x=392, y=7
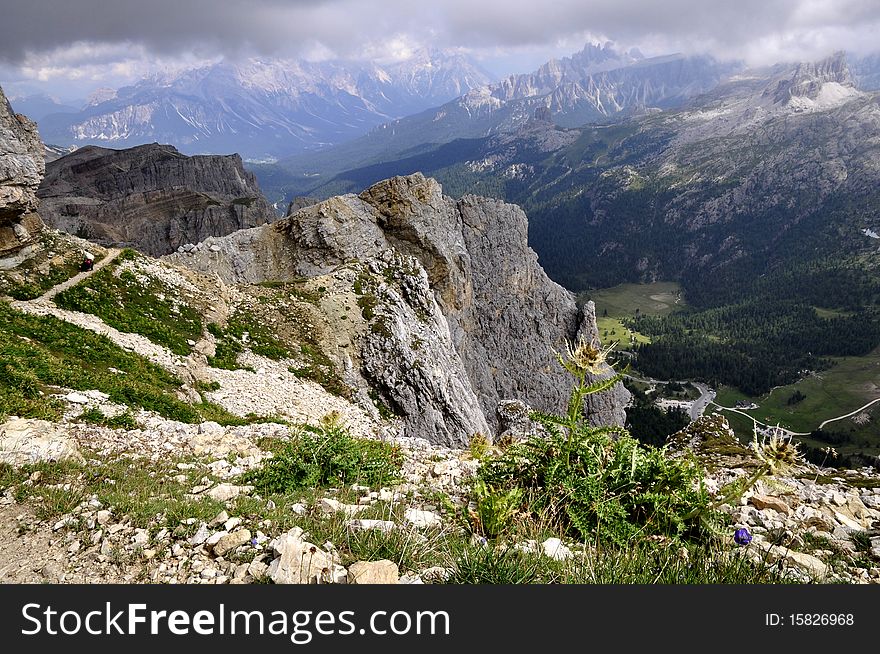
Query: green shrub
x=326, y=456
x=495, y=509
x=95, y=416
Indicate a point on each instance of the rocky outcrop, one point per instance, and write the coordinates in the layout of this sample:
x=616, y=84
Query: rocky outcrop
x=807, y=79
x=458, y=304
x=21, y=169
x=150, y=197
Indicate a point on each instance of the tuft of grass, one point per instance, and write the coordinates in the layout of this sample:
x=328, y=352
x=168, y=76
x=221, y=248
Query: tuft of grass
x=861, y=540
x=326, y=456
x=641, y=562
x=10, y=476
x=489, y=565
x=95, y=416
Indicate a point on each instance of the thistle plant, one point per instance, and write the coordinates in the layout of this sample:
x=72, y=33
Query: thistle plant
x=778, y=452
x=588, y=481
x=583, y=359
x=778, y=455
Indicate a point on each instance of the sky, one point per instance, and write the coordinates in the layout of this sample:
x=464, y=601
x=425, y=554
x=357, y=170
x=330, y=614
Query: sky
x=68, y=48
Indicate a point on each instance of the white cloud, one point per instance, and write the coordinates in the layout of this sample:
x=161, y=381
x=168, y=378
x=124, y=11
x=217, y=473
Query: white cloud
x=109, y=39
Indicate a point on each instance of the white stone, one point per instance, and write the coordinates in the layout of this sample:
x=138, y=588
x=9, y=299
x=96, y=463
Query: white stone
x=77, y=398
x=556, y=550
x=411, y=578
x=201, y=535
x=219, y=519
x=231, y=524
x=25, y=441
x=141, y=537
x=257, y=569
x=299, y=562
x=230, y=541
x=214, y=538
x=422, y=519
x=328, y=505
x=373, y=572
x=848, y=522
x=384, y=526
x=226, y=492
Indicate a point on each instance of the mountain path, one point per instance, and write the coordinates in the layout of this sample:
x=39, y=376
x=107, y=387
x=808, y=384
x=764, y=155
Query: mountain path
x=45, y=306
x=112, y=254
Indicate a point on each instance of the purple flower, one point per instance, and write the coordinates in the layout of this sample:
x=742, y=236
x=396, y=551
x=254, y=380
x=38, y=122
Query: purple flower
x=742, y=536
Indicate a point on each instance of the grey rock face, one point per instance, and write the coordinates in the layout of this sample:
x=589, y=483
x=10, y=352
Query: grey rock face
x=514, y=423
x=460, y=308
x=150, y=197
x=21, y=169
x=409, y=357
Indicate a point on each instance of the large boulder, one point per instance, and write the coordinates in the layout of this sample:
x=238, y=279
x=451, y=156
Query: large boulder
x=26, y=441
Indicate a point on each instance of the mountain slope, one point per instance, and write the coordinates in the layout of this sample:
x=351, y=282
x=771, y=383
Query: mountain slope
x=456, y=304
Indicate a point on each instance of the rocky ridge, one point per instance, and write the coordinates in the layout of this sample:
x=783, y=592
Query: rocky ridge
x=21, y=169
x=461, y=268
x=150, y=197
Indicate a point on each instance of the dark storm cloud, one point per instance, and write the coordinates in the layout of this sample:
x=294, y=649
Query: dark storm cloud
x=751, y=28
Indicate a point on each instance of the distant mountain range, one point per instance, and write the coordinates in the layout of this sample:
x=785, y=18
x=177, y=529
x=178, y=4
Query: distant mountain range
x=262, y=108
x=664, y=193
x=761, y=197
x=597, y=84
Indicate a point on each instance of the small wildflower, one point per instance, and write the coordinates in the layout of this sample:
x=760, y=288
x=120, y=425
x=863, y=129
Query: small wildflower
x=254, y=541
x=742, y=536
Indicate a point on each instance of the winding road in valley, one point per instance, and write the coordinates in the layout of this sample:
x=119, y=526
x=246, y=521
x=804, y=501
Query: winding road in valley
x=707, y=397
x=788, y=432
x=698, y=406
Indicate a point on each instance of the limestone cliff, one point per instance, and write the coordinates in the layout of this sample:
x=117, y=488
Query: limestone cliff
x=150, y=197
x=462, y=314
x=21, y=168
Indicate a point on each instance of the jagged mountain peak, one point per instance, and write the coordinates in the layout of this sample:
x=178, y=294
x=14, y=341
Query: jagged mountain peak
x=825, y=82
